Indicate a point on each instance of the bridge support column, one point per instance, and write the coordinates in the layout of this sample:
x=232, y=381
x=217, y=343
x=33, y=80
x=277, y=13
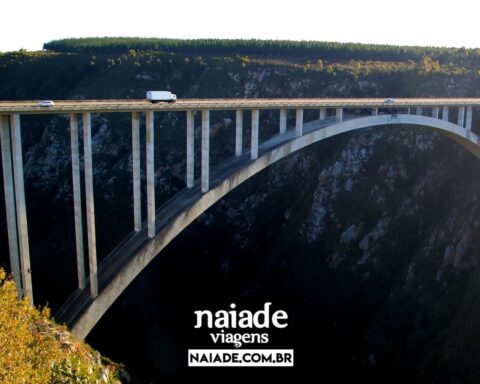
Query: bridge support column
x=205, y=150
x=92, y=246
x=20, y=205
x=239, y=132
x=409, y=111
x=323, y=114
x=435, y=111
x=445, y=111
x=283, y=121
x=149, y=124
x=77, y=200
x=137, y=204
x=190, y=149
x=374, y=111
x=461, y=116
x=468, y=124
x=254, y=142
x=339, y=115
x=299, y=122
x=419, y=111
x=8, y=187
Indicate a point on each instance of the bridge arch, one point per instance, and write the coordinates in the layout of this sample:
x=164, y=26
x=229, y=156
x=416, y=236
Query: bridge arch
x=196, y=203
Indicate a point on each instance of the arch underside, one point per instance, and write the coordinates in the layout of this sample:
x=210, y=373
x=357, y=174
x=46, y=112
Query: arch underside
x=135, y=252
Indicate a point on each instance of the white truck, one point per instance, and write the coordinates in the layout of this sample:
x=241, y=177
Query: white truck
x=158, y=96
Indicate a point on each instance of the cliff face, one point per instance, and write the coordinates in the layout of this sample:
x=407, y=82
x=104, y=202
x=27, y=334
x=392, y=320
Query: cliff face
x=373, y=235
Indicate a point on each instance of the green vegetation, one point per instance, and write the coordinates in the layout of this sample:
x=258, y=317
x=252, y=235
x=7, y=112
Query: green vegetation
x=67, y=75
x=191, y=56
x=36, y=350
x=289, y=48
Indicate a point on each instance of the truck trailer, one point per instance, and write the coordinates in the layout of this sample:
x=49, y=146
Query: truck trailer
x=158, y=96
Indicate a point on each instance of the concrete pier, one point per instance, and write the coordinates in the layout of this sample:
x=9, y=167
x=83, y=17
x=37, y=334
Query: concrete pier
x=77, y=200
x=190, y=149
x=419, y=111
x=299, y=122
x=205, y=150
x=254, y=138
x=8, y=187
x=445, y=113
x=339, y=115
x=89, y=203
x=137, y=195
x=435, y=112
x=468, y=123
x=150, y=155
x=461, y=116
x=374, y=111
x=239, y=132
x=283, y=121
x=323, y=114
x=17, y=157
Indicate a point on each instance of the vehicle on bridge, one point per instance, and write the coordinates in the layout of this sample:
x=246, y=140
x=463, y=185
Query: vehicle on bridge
x=158, y=96
x=46, y=103
x=389, y=101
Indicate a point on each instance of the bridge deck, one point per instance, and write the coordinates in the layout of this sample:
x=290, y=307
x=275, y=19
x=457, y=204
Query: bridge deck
x=72, y=106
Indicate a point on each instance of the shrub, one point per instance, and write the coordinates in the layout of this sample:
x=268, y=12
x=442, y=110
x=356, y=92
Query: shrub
x=36, y=350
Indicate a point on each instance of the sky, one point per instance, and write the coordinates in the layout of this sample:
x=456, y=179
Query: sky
x=28, y=24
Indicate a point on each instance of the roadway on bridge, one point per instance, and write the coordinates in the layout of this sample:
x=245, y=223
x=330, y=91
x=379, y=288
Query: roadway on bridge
x=72, y=106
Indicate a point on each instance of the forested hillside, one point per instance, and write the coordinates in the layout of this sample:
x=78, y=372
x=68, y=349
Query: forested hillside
x=52, y=73
x=289, y=48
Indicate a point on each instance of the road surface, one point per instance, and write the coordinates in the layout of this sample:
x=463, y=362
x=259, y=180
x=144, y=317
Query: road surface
x=125, y=105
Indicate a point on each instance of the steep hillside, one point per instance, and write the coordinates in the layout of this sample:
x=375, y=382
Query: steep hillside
x=35, y=350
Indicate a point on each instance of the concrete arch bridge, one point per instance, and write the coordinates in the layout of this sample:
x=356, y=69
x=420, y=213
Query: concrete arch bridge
x=109, y=278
